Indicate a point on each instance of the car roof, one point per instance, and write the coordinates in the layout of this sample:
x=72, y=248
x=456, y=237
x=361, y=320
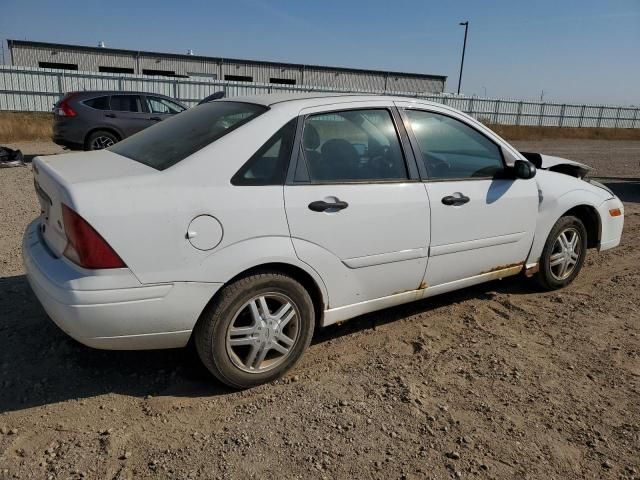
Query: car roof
x=317, y=98
x=116, y=92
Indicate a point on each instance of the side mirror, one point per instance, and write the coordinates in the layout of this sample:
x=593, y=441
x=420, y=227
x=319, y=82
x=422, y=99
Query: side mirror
x=524, y=170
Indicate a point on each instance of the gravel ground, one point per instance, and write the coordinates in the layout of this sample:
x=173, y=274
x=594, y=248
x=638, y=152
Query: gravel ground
x=495, y=381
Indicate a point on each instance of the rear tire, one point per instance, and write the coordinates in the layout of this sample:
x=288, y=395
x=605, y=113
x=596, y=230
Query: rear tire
x=563, y=254
x=100, y=139
x=255, y=330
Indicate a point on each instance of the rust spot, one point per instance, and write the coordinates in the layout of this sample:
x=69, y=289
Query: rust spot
x=515, y=267
x=423, y=285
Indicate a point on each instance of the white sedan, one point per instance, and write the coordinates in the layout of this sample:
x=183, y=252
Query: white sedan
x=246, y=223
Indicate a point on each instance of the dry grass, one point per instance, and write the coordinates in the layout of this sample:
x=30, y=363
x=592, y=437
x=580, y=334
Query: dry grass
x=512, y=132
x=24, y=127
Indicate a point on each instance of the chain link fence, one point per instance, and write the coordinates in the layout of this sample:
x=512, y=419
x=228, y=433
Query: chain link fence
x=26, y=89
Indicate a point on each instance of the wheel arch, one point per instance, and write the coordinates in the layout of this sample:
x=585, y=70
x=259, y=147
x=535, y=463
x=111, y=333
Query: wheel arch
x=591, y=219
x=296, y=272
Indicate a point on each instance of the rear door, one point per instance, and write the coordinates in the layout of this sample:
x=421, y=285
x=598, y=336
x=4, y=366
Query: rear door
x=127, y=115
x=357, y=211
x=482, y=218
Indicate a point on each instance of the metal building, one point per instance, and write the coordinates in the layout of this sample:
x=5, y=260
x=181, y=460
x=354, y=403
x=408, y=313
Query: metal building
x=110, y=60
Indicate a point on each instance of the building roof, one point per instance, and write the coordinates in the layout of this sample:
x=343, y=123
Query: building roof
x=105, y=50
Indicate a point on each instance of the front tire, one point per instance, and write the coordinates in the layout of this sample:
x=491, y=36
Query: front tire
x=564, y=253
x=255, y=330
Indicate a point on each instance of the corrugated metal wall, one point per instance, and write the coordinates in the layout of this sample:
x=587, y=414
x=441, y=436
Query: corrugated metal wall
x=29, y=89
x=91, y=61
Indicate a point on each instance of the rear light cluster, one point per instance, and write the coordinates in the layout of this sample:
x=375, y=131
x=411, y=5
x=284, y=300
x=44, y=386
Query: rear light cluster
x=85, y=246
x=63, y=108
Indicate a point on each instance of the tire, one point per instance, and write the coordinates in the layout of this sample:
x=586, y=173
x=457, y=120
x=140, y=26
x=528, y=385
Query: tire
x=234, y=330
x=559, y=254
x=100, y=137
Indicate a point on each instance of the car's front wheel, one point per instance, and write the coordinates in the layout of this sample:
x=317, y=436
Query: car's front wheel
x=255, y=330
x=564, y=253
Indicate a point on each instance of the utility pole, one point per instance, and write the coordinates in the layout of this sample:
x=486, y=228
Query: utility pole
x=464, y=47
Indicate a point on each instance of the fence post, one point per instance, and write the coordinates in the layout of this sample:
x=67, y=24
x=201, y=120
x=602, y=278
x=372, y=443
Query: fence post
x=561, y=121
x=600, y=116
x=635, y=117
x=541, y=114
x=519, y=114
x=120, y=85
x=471, y=112
x=581, y=116
x=495, y=112
x=615, y=125
x=175, y=89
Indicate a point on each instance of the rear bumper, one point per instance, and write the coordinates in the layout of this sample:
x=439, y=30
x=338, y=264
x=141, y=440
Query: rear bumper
x=110, y=309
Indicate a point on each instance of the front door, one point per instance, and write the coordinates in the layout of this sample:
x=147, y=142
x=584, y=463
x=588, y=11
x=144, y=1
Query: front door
x=355, y=214
x=482, y=218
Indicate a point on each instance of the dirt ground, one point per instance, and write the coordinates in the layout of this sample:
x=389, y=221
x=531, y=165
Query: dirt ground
x=495, y=381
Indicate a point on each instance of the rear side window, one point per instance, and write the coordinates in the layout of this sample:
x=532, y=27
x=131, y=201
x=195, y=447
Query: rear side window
x=126, y=103
x=174, y=139
x=268, y=166
x=99, y=103
x=353, y=146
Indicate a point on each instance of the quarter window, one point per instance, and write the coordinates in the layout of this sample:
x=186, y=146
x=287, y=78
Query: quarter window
x=353, y=146
x=126, y=103
x=268, y=165
x=453, y=150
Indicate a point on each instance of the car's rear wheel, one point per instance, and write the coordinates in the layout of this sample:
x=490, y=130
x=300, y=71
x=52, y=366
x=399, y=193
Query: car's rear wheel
x=101, y=139
x=255, y=330
x=564, y=253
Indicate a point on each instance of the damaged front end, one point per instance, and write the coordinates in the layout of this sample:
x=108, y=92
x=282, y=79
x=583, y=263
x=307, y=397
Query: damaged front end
x=557, y=164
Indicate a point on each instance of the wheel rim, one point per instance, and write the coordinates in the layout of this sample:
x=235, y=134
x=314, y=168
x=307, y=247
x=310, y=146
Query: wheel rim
x=565, y=254
x=101, y=142
x=263, y=333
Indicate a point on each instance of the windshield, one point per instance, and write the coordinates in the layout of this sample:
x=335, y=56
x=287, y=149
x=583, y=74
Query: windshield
x=174, y=139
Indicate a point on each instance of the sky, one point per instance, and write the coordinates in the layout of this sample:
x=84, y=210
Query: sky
x=573, y=50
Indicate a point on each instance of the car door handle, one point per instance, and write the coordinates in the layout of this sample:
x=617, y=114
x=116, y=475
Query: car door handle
x=456, y=199
x=157, y=119
x=321, y=205
x=110, y=115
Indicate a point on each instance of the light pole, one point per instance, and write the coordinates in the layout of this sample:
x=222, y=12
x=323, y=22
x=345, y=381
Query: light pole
x=485, y=92
x=464, y=47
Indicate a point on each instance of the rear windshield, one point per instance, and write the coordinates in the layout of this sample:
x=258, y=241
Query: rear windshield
x=174, y=139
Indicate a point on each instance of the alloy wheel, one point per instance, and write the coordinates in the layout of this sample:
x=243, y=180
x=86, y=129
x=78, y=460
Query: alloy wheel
x=101, y=142
x=263, y=332
x=565, y=254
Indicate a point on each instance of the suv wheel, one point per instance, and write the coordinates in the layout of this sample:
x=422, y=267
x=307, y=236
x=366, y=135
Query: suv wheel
x=563, y=254
x=101, y=139
x=256, y=329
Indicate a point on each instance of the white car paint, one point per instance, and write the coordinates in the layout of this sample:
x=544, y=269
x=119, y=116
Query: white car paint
x=185, y=232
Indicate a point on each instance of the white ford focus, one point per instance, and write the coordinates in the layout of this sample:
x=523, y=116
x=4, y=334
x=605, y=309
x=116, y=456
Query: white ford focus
x=246, y=223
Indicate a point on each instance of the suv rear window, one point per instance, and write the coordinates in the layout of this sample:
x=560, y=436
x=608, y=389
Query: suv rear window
x=174, y=139
x=99, y=103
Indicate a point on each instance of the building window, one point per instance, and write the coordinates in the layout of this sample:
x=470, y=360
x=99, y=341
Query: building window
x=238, y=78
x=159, y=73
x=212, y=76
x=282, y=81
x=58, y=66
x=115, y=70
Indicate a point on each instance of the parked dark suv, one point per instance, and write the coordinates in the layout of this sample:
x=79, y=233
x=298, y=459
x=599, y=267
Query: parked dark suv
x=96, y=120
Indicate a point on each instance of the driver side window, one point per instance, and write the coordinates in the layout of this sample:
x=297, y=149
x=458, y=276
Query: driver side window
x=453, y=150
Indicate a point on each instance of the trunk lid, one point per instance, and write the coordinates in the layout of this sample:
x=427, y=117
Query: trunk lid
x=55, y=177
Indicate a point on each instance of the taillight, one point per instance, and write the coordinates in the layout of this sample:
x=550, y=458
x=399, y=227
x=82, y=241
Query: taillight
x=64, y=109
x=85, y=246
